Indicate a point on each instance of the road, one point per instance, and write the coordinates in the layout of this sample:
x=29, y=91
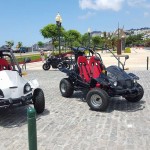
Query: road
x=69, y=124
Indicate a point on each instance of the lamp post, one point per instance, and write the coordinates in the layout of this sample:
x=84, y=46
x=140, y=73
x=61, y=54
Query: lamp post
x=58, y=23
x=89, y=37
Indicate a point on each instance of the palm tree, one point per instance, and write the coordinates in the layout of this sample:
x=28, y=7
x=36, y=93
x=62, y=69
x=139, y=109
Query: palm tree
x=10, y=43
x=19, y=45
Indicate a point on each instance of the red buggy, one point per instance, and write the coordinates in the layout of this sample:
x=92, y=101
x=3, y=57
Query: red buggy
x=100, y=82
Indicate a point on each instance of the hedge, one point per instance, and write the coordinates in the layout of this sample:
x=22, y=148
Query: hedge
x=127, y=50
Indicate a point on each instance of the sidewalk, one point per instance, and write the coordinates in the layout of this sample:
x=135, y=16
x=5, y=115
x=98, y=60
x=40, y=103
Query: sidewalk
x=137, y=60
x=34, y=66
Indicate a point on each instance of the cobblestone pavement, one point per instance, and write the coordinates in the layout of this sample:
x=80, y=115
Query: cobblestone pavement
x=69, y=124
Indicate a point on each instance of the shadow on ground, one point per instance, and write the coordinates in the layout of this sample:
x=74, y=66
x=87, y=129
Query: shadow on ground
x=120, y=104
x=16, y=116
x=117, y=103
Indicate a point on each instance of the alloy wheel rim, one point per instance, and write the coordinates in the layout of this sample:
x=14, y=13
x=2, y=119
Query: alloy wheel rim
x=46, y=66
x=96, y=100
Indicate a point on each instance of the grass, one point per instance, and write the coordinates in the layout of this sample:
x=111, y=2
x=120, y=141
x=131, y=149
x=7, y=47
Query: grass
x=33, y=57
x=36, y=57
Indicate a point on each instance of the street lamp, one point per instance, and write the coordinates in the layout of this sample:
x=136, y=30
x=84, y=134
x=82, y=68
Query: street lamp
x=58, y=23
x=89, y=37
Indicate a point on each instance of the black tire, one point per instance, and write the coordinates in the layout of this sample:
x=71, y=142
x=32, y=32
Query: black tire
x=97, y=99
x=39, y=100
x=138, y=97
x=66, y=87
x=46, y=66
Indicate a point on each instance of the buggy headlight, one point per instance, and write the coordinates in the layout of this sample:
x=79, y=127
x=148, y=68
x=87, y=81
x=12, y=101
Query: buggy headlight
x=115, y=83
x=27, y=88
x=135, y=81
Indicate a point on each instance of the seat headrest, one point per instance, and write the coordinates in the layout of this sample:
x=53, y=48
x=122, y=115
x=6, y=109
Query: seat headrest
x=82, y=59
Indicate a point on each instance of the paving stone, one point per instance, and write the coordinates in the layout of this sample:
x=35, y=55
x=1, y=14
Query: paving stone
x=69, y=124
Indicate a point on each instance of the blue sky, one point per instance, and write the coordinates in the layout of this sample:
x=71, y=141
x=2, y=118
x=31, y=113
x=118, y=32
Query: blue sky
x=21, y=20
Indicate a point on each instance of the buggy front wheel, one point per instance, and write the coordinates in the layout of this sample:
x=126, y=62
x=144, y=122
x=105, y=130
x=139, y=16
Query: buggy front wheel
x=39, y=100
x=66, y=87
x=97, y=99
x=138, y=97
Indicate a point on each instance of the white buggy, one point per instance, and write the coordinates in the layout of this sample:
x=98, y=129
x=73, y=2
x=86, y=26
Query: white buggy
x=14, y=89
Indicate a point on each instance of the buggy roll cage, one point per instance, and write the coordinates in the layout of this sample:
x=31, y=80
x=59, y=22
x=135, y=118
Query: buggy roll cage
x=12, y=57
x=117, y=57
x=93, y=51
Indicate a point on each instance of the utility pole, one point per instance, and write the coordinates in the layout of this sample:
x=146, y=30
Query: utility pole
x=118, y=43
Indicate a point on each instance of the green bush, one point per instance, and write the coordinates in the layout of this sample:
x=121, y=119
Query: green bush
x=127, y=50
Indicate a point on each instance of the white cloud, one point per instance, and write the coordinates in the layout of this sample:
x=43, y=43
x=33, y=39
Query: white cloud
x=139, y=3
x=87, y=15
x=101, y=4
x=146, y=14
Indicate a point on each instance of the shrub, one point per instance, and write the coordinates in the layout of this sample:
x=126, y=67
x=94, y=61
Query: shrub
x=127, y=50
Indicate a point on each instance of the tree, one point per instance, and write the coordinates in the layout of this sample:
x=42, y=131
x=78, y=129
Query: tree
x=105, y=34
x=76, y=44
x=85, y=39
x=51, y=31
x=147, y=43
x=66, y=39
x=96, y=40
x=19, y=45
x=40, y=44
x=113, y=43
x=10, y=43
x=72, y=36
x=134, y=40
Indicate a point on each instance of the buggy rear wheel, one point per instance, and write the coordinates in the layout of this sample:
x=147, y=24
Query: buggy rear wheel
x=97, y=99
x=46, y=66
x=39, y=100
x=66, y=87
x=138, y=97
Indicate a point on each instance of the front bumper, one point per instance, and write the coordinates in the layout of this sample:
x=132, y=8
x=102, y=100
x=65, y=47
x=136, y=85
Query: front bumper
x=14, y=101
x=125, y=92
